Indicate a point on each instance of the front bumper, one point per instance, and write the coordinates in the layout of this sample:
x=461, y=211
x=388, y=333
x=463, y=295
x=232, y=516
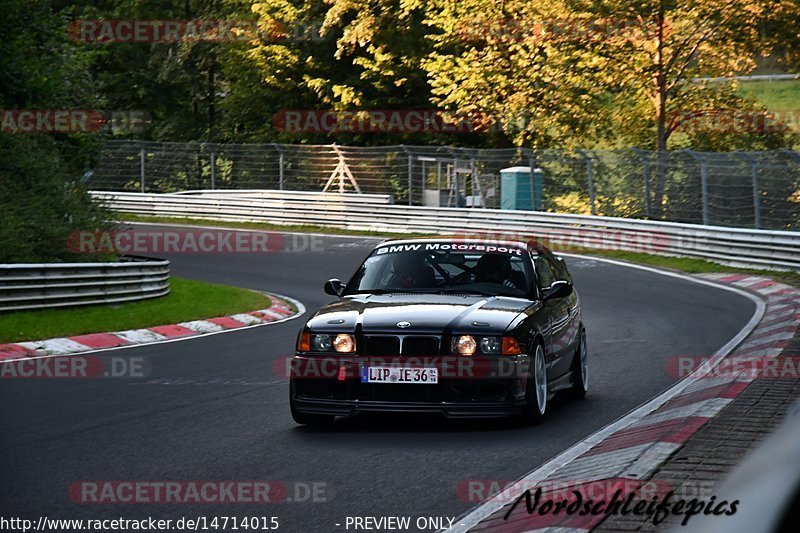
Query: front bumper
x=324, y=406
x=484, y=388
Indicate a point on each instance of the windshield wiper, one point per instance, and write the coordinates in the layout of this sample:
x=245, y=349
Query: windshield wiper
x=397, y=291
x=455, y=290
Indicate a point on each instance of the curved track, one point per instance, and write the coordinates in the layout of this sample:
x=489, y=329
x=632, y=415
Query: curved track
x=214, y=409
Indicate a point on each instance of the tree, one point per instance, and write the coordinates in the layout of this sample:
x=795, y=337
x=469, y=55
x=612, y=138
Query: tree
x=41, y=199
x=517, y=64
x=657, y=50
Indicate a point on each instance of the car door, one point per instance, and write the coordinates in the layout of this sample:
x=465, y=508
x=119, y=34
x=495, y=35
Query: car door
x=571, y=304
x=553, y=311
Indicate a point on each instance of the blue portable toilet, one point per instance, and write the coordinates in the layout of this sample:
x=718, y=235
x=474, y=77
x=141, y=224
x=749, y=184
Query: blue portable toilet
x=521, y=188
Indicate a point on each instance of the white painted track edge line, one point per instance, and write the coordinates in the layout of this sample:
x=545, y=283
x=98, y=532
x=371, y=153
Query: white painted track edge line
x=301, y=310
x=473, y=517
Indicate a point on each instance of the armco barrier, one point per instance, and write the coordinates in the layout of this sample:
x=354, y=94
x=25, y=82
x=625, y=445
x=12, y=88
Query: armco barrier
x=46, y=285
x=776, y=250
x=292, y=196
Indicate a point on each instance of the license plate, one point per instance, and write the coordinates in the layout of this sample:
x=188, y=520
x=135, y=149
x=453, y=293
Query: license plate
x=394, y=374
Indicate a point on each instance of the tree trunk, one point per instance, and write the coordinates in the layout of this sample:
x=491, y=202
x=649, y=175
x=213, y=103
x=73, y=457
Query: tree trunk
x=661, y=119
x=212, y=110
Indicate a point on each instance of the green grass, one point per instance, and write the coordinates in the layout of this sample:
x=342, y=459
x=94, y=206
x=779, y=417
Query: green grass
x=187, y=300
x=782, y=95
x=681, y=264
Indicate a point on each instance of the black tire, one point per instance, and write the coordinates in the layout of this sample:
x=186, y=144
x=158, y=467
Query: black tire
x=580, y=369
x=307, y=419
x=536, y=399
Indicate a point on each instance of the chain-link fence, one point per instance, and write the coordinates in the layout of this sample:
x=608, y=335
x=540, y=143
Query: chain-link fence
x=747, y=189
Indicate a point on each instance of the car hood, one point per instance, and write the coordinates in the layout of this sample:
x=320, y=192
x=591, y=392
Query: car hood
x=426, y=313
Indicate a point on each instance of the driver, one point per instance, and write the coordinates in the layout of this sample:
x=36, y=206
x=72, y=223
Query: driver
x=494, y=268
x=410, y=271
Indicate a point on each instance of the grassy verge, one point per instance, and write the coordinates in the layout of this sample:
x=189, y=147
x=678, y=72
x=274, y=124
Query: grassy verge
x=783, y=95
x=187, y=300
x=681, y=264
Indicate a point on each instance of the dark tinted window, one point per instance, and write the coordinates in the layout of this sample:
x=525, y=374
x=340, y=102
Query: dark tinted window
x=559, y=269
x=544, y=271
x=444, y=267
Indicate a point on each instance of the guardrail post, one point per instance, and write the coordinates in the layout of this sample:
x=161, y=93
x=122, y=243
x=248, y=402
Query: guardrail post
x=533, y=184
x=704, y=190
x=410, y=173
x=455, y=185
x=280, y=165
x=646, y=170
x=646, y=174
x=141, y=167
x=590, y=172
x=280, y=171
x=213, y=170
x=703, y=183
x=476, y=181
x=590, y=176
x=410, y=178
x=756, y=197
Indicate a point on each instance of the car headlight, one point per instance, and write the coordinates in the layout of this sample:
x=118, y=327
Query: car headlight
x=344, y=343
x=321, y=343
x=491, y=345
x=465, y=344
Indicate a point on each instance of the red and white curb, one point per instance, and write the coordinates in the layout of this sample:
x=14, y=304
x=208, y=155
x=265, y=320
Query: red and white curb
x=282, y=309
x=629, y=450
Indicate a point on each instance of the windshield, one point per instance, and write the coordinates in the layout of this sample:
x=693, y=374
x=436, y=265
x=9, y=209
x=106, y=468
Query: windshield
x=491, y=270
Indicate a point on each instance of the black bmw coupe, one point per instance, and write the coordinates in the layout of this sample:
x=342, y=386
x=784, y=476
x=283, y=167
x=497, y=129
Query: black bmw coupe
x=465, y=328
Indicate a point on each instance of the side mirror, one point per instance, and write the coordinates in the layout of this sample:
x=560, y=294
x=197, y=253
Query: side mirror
x=559, y=289
x=334, y=287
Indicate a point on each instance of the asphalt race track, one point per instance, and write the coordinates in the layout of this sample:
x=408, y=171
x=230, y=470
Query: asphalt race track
x=213, y=408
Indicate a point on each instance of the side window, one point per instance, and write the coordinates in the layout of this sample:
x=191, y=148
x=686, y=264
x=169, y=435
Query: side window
x=544, y=272
x=559, y=269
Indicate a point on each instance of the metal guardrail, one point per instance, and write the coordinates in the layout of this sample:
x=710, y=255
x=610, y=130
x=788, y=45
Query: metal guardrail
x=776, y=250
x=292, y=196
x=50, y=285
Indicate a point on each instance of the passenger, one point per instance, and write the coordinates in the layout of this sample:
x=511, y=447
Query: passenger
x=411, y=272
x=495, y=268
